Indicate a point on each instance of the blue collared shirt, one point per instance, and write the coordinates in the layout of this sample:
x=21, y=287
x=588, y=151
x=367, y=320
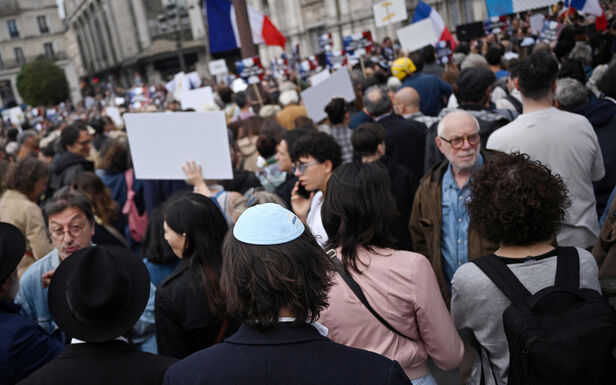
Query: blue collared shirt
x=454, y=232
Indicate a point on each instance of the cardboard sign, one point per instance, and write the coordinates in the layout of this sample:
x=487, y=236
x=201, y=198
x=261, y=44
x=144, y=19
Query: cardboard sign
x=162, y=142
x=315, y=98
x=318, y=78
x=389, y=11
x=218, y=67
x=417, y=35
x=197, y=99
x=470, y=31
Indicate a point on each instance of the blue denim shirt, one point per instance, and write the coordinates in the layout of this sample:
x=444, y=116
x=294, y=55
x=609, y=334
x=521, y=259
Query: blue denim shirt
x=33, y=301
x=454, y=234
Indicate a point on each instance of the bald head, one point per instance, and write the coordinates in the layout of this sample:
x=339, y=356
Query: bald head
x=406, y=101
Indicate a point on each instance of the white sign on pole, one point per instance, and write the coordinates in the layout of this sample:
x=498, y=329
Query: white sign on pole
x=315, y=98
x=197, y=99
x=114, y=114
x=417, y=35
x=194, y=80
x=17, y=115
x=161, y=143
x=389, y=12
x=318, y=78
x=218, y=67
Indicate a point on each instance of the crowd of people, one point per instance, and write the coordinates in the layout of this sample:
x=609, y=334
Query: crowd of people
x=400, y=240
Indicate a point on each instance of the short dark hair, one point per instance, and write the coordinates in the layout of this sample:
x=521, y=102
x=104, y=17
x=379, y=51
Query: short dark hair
x=537, y=74
x=516, y=201
x=574, y=69
x=335, y=110
x=493, y=56
x=319, y=145
x=358, y=208
x=367, y=137
x=417, y=59
x=381, y=105
x=259, y=280
x=24, y=175
x=472, y=84
x=204, y=225
x=606, y=83
x=63, y=199
x=513, y=66
x=241, y=99
x=226, y=95
x=271, y=127
x=154, y=247
x=428, y=53
x=70, y=133
x=266, y=146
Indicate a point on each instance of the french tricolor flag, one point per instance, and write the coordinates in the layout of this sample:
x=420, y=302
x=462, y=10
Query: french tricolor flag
x=424, y=11
x=224, y=35
x=590, y=7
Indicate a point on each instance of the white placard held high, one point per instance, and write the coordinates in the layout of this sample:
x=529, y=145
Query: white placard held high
x=162, y=142
x=315, y=98
x=197, y=99
x=417, y=35
x=388, y=12
x=17, y=115
x=218, y=67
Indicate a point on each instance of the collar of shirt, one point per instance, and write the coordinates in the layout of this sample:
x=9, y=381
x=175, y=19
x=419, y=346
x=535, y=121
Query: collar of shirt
x=76, y=341
x=383, y=116
x=450, y=182
x=320, y=327
x=413, y=115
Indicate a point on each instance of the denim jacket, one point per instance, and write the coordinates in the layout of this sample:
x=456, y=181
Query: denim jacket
x=33, y=301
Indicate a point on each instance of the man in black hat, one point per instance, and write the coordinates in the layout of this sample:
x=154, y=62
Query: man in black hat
x=97, y=319
x=24, y=346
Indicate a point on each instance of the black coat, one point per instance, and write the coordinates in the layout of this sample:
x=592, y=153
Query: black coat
x=113, y=362
x=184, y=323
x=65, y=166
x=405, y=142
x=289, y=355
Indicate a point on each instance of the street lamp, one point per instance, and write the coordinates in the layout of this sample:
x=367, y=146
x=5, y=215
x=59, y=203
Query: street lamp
x=170, y=20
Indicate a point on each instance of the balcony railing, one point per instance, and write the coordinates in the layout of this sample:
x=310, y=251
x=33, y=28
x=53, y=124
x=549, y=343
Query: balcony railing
x=12, y=63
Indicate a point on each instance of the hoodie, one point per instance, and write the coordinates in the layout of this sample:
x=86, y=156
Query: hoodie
x=65, y=166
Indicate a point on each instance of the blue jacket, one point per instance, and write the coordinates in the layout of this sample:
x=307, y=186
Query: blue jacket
x=431, y=89
x=289, y=355
x=33, y=300
x=24, y=346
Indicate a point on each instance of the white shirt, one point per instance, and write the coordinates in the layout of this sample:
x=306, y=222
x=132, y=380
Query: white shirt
x=314, y=221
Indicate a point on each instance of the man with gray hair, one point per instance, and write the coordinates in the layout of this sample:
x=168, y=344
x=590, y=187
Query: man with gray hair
x=570, y=94
x=404, y=139
x=439, y=222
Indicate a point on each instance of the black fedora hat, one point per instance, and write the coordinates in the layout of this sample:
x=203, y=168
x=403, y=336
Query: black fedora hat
x=98, y=293
x=12, y=249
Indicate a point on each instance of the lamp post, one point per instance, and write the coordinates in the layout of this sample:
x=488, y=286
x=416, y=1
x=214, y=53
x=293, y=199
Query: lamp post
x=170, y=20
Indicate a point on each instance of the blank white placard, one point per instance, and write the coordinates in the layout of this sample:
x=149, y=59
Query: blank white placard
x=161, y=143
x=198, y=98
x=417, y=35
x=315, y=98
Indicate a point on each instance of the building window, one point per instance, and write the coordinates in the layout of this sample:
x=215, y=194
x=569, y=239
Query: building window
x=42, y=23
x=19, y=56
x=13, y=32
x=49, y=51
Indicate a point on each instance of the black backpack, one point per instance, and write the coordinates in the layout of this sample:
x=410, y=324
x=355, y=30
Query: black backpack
x=560, y=335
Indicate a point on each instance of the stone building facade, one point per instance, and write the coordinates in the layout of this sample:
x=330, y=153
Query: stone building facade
x=29, y=29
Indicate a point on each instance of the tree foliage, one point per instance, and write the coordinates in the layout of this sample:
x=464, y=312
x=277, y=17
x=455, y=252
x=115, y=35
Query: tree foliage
x=42, y=82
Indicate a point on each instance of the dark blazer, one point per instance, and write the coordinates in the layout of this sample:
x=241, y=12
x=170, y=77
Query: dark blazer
x=113, y=362
x=296, y=355
x=405, y=142
x=184, y=323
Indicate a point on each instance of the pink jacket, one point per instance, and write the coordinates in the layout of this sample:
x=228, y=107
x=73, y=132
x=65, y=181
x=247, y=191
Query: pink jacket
x=402, y=288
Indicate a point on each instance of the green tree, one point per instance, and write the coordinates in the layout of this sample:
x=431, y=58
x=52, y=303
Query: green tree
x=42, y=82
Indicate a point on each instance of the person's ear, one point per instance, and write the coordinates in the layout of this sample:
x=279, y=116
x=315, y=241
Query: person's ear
x=439, y=144
x=380, y=149
x=329, y=166
x=517, y=83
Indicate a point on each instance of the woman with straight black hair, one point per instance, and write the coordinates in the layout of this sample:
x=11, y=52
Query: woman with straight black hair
x=399, y=285
x=190, y=307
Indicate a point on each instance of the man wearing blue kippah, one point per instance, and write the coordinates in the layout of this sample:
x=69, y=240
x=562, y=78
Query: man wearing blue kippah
x=278, y=303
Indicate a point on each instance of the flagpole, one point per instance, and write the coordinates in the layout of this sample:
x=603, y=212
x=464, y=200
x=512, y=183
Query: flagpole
x=243, y=25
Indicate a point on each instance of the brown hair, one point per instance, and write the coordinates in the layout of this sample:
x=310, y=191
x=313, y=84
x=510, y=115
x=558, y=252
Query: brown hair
x=24, y=175
x=100, y=198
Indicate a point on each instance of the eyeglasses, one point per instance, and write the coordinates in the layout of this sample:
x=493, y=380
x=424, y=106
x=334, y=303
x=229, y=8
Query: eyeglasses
x=458, y=142
x=85, y=142
x=301, y=167
x=74, y=230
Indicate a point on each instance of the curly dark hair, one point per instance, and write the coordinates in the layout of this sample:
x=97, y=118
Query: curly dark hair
x=259, y=281
x=24, y=176
x=319, y=145
x=516, y=201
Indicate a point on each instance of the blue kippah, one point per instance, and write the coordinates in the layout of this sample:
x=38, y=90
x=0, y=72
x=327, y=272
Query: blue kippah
x=267, y=224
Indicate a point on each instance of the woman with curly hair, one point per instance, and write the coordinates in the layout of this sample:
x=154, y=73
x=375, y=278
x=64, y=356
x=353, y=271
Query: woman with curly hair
x=26, y=181
x=520, y=205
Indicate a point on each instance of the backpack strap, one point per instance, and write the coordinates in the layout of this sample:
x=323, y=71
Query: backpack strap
x=567, y=268
x=503, y=278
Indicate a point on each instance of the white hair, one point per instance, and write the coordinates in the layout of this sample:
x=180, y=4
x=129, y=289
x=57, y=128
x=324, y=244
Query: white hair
x=441, y=126
x=393, y=83
x=288, y=97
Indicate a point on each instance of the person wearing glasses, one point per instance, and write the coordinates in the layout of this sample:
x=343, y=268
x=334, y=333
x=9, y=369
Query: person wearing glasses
x=76, y=142
x=70, y=224
x=316, y=156
x=439, y=222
